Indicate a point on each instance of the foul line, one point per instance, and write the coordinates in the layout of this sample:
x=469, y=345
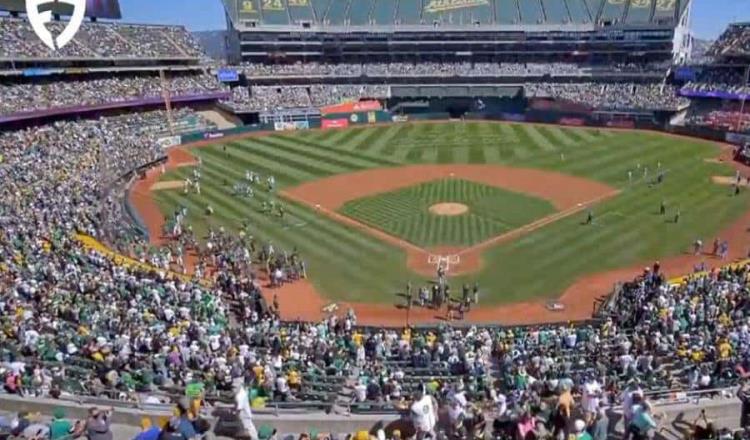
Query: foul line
x=530, y=227
x=388, y=238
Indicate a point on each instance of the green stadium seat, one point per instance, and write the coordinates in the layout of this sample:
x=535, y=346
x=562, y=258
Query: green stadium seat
x=613, y=11
x=409, y=12
x=639, y=11
x=359, y=12
x=555, y=11
x=665, y=9
x=320, y=9
x=384, y=11
x=506, y=11
x=337, y=13
x=531, y=11
x=301, y=11
x=579, y=11
x=476, y=11
x=274, y=12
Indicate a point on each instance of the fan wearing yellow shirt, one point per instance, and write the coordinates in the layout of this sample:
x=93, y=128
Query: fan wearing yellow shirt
x=357, y=339
x=725, y=350
x=294, y=380
x=260, y=377
x=697, y=355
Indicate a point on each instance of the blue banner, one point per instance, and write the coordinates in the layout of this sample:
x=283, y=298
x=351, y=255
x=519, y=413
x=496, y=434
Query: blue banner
x=40, y=72
x=228, y=75
x=714, y=94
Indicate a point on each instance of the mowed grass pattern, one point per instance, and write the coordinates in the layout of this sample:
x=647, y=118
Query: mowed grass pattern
x=405, y=213
x=347, y=264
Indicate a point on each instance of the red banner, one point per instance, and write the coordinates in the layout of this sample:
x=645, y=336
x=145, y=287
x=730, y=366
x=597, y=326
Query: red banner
x=577, y=122
x=334, y=123
x=352, y=107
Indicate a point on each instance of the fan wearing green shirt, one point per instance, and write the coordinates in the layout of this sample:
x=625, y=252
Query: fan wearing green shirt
x=60, y=427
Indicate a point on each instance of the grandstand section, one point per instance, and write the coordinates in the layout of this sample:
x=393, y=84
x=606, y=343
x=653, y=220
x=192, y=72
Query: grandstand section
x=97, y=44
x=451, y=30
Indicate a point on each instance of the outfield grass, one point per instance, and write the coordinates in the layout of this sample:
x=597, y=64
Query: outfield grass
x=404, y=213
x=347, y=264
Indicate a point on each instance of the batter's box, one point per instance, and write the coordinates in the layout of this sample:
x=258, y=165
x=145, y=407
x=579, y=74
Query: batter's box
x=444, y=261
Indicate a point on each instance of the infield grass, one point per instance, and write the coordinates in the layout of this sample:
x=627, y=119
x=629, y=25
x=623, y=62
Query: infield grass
x=347, y=264
x=405, y=213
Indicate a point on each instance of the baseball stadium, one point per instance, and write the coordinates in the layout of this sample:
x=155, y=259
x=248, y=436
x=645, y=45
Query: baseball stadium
x=374, y=219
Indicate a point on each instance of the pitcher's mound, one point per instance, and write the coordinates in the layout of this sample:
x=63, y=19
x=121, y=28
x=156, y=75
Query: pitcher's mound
x=449, y=209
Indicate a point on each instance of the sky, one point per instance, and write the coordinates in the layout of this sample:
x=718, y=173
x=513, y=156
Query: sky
x=710, y=17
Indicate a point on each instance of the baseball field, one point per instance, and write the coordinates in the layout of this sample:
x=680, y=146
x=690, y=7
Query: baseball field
x=524, y=210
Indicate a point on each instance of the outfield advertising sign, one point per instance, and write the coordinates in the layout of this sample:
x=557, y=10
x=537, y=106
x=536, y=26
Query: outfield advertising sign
x=738, y=138
x=352, y=107
x=169, y=141
x=334, y=123
x=291, y=126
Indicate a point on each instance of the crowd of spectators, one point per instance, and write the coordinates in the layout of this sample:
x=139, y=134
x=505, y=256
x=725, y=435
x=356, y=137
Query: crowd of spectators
x=37, y=95
x=268, y=98
x=98, y=40
x=732, y=116
x=735, y=42
x=411, y=69
x=440, y=69
x=728, y=80
x=613, y=96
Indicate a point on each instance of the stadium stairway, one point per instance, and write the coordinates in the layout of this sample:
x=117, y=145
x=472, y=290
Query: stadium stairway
x=679, y=118
x=223, y=121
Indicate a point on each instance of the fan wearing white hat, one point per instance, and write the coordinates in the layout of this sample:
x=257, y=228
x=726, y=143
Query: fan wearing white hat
x=580, y=433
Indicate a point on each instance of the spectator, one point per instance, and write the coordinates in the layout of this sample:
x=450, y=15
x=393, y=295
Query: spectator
x=98, y=424
x=60, y=427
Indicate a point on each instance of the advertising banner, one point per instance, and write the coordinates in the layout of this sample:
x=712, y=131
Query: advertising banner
x=169, y=141
x=400, y=118
x=291, y=125
x=738, y=138
x=575, y=122
x=228, y=75
x=713, y=94
x=352, y=107
x=372, y=117
x=213, y=135
x=334, y=123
